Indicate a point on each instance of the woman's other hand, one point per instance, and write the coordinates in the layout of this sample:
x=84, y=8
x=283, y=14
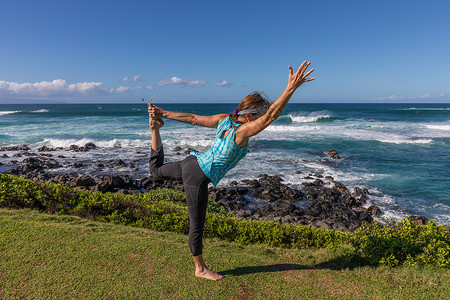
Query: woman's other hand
x=154, y=111
x=297, y=79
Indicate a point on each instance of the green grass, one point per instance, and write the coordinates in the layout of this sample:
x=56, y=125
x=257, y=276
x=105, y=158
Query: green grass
x=64, y=257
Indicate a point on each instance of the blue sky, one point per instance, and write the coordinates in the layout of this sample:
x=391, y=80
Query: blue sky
x=211, y=51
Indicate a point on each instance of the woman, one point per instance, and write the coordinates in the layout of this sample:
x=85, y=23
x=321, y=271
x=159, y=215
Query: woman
x=253, y=115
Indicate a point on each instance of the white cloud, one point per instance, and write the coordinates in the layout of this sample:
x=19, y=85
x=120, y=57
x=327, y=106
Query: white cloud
x=196, y=83
x=396, y=97
x=222, y=83
x=57, y=87
x=149, y=87
x=173, y=80
x=122, y=89
x=180, y=81
x=134, y=78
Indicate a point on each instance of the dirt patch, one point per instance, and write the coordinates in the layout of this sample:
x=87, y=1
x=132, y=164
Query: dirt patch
x=246, y=292
x=133, y=256
x=167, y=294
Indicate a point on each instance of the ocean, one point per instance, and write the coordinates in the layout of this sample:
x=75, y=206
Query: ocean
x=399, y=152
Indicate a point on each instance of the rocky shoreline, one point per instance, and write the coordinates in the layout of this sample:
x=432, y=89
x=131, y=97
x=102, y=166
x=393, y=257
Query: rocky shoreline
x=320, y=202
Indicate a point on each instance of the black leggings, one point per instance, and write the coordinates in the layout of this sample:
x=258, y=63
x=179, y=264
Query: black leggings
x=195, y=185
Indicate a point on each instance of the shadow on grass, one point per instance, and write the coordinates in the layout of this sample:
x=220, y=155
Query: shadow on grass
x=340, y=263
x=264, y=269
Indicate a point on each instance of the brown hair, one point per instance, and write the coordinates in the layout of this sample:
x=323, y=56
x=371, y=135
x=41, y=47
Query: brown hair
x=253, y=100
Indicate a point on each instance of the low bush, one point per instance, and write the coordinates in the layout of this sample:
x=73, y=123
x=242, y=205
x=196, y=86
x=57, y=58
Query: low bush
x=397, y=243
x=162, y=210
x=403, y=243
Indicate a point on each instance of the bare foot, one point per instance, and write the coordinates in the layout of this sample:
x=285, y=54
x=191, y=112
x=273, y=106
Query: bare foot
x=208, y=274
x=156, y=123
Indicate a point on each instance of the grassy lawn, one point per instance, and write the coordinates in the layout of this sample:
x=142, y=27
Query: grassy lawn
x=65, y=257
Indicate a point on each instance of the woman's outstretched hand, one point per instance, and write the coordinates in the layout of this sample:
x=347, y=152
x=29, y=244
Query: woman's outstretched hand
x=297, y=79
x=154, y=111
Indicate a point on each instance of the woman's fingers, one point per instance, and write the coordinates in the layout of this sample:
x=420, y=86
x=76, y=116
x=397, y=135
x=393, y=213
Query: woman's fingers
x=301, y=66
x=305, y=67
x=309, y=72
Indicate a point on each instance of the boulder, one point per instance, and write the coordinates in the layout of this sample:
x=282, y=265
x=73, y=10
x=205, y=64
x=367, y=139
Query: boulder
x=45, y=148
x=328, y=194
x=89, y=146
x=15, y=148
x=333, y=154
x=84, y=181
x=118, y=163
x=114, y=181
x=189, y=150
x=418, y=220
x=341, y=188
x=33, y=164
x=349, y=201
x=374, y=210
x=322, y=224
x=77, y=165
x=279, y=209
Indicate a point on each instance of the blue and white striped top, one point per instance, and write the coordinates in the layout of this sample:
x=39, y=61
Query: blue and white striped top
x=223, y=155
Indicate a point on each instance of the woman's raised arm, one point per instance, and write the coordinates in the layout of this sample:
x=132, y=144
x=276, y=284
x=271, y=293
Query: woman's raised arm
x=254, y=127
x=193, y=119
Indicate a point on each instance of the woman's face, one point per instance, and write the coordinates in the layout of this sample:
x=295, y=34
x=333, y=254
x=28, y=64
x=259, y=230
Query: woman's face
x=252, y=117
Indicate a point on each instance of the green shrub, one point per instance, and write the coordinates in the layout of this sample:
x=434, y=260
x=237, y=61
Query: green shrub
x=403, y=243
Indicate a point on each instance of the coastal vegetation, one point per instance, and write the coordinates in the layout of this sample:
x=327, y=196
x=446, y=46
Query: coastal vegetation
x=391, y=244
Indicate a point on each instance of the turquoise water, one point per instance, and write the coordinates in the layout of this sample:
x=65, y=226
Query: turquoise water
x=400, y=152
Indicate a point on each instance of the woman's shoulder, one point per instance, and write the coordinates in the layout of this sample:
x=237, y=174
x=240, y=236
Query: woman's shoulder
x=223, y=121
x=224, y=118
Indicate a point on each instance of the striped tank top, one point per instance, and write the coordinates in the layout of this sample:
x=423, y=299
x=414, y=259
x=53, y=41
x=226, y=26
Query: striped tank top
x=223, y=155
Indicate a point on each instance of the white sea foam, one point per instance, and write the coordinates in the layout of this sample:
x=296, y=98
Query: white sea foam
x=405, y=141
x=285, y=128
x=191, y=142
x=43, y=110
x=309, y=118
x=2, y=113
x=66, y=143
x=356, y=177
x=438, y=127
x=442, y=206
x=294, y=132
x=442, y=218
x=375, y=126
x=390, y=209
x=190, y=137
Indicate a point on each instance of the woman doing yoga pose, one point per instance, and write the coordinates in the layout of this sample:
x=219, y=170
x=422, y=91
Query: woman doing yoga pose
x=253, y=115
